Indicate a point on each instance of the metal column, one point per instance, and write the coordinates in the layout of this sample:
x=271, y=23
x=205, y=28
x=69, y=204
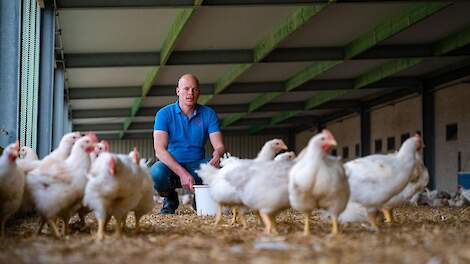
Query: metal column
x=46, y=85
x=428, y=115
x=58, y=116
x=10, y=25
x=365, y=132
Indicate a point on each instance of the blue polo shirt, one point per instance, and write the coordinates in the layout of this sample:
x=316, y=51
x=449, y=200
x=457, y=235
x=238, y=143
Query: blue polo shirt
x=186, y=136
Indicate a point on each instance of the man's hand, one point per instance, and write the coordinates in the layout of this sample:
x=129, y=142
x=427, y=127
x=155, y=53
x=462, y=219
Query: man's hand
x=187, y=181
x=215, y=159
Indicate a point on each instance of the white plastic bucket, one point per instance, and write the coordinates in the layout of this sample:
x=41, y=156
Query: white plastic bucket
x=204, y=203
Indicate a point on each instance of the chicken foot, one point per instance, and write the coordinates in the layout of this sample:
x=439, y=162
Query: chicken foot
x=218, y=216
x=269, y=224
x=307, y=224
x=101, y=226
x=388, y=214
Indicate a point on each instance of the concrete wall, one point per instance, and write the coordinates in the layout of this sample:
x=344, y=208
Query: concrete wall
x=452, y=106
x=347, y=133
x=395, y=120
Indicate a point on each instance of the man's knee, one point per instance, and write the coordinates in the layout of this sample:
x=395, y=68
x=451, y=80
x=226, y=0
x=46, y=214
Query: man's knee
x=161, y=175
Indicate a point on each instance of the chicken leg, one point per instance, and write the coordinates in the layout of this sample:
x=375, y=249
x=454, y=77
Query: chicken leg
x=334, y=223
x=373, y=220
x=388, y=215
x=218, y=216
x=269, y=224
x=137, y=224
x=234, y=215
x=41, y=225
x=100, y=233
x=307, y=224
x=52, y=224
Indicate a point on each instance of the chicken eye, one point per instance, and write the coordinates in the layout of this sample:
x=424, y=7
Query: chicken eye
x=277, y=143
x=322, y=138
x=88, y=141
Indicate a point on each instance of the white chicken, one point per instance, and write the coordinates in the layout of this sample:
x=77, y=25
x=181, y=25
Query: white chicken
x=318, y=181
x=114, y=189
x=27, y=161
x=146, y=203
x=57, y=186
x=290, y=155
x=418, y=182
x=261, y=186
x=224, y=193
x=11, y=185
x=102, y=146
x=31, y=162
x=355, y=212
x=375, y=179
x=27, y=153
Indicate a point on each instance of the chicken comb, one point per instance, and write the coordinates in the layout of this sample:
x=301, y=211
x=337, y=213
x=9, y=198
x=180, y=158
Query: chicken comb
x=105, y=145
x=111, y=166
x=135, y=155
x=92, y=136
x=17, y=145
x=327, y=133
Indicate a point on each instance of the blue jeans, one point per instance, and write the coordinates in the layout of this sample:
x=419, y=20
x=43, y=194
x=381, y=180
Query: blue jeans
x=166, y=181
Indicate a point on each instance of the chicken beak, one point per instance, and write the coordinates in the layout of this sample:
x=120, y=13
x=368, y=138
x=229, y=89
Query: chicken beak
x=332, y=142
x=284, y=147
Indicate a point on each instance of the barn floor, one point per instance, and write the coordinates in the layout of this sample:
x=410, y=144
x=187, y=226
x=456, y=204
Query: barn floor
x=422, y=235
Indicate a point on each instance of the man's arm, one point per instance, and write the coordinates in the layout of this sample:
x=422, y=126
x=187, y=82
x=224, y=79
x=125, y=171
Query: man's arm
x=218, y=145
x=160, y=143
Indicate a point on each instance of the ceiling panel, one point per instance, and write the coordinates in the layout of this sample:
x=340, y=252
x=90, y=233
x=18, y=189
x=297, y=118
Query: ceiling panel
x=351, y=69
x=231, y=28
x=115, y=29
x=101, y=103
x=106, y=77
x=338, y=25
x=264, y=72
x=233, y=98
x=169, y=75
x=452, y=19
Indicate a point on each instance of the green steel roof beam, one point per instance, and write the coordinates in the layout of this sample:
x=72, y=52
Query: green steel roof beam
x=367, y=41
x=166, y=49
x=298, y=18
x=442, y=47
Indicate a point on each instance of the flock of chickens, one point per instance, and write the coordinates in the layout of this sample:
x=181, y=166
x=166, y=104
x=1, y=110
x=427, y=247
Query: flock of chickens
x=82, y=176
x=315, y=180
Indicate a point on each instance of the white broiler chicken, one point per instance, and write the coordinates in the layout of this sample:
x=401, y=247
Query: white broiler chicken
x=419, y=181
x=31, y=162
x=102, y=146
x=261, y=186
x=318, y=181
x=375, y=179
x=224, y=193
x=27, y=161
x=11, y=185
x=290, y=155
x=146, y=203
x=57, y=186
x=114, y=189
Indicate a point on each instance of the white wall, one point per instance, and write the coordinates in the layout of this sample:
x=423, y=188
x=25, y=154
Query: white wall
x=347, y=133
x=452, y=106
x=395, y=120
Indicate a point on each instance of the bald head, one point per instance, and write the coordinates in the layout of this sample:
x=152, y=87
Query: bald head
x=188, y=91
x=188, y=77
